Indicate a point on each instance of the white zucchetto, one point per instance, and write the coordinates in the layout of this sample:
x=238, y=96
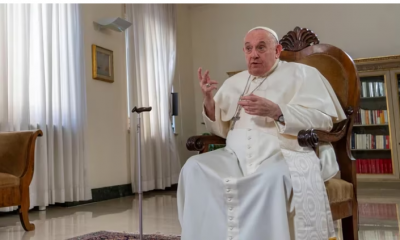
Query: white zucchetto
x=268, y=30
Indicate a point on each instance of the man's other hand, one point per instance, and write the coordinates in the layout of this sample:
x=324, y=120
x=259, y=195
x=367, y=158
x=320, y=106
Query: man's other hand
x=259, y=106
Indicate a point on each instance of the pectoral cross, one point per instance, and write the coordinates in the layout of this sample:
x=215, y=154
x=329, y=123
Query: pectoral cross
x=236, y=117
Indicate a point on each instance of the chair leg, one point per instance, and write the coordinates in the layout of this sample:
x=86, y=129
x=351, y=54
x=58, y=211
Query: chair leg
x=350, y=228
x=23, y=212
x=24, y=217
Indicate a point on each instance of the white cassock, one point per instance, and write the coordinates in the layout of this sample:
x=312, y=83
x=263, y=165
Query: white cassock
x=263, y=185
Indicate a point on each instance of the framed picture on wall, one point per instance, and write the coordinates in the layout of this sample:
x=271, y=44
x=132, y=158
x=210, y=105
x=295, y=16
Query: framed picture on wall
x=102, y=64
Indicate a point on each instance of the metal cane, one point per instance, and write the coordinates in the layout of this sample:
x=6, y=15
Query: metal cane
x=140, y=110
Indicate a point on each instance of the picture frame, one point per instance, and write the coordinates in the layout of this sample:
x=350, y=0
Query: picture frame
x=102, y=64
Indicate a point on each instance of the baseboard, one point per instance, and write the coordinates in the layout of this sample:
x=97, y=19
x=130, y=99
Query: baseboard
x=108, y=193
x=174, y=187
x=103, y=194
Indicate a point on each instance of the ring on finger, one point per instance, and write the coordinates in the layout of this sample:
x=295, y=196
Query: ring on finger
x=208, y=85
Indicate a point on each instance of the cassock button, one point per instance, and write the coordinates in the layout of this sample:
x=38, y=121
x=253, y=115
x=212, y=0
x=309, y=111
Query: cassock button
x=229, y=199
x=249, y=147
x=231, y=228
x=227, y=180
x=231, y=208
x=249, y=138
x=230, y=238
x=231, y=218
x=228, y=190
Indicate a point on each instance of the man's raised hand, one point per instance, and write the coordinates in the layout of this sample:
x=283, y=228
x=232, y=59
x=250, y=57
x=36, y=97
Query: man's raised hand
x=207, y=85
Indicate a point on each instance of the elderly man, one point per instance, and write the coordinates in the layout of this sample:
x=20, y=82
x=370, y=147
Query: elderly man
x=262, y=185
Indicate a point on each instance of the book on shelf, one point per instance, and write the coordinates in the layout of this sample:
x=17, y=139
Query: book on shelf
x=369, y=117
x=372, y=89
x=383, y=234
x=369, y=141
x=374, y=166
x=379, y=234
x=378, y=221
x=387, y=211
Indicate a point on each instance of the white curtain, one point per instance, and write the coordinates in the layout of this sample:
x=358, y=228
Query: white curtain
x=150, y=58
x=43, y=87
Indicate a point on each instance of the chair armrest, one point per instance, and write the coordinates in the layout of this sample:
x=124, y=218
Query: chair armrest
x=200, y=143
x=28, y=174
x=17, y=151
x=311, y=137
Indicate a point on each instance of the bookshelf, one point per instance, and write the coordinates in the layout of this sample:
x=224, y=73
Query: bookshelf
x=375, y=137
x=378, y=221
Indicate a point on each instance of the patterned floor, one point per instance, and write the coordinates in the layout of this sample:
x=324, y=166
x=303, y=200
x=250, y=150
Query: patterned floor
x=103, y=235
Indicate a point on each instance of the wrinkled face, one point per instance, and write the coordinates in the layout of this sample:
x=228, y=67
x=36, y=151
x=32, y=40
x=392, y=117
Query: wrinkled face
x=261, y=50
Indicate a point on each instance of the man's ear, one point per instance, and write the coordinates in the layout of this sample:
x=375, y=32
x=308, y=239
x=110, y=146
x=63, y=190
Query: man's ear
x=278, y=51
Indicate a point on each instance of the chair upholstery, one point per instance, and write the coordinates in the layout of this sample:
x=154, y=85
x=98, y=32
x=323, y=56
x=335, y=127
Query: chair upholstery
x=17, y=152
x=8, y=180
x=302, y=45
x=339, y=190
x=13, y=160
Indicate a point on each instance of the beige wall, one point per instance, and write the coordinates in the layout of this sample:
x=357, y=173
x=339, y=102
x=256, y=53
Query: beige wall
x=106, y=103
x=108, y=139
x=218, y=31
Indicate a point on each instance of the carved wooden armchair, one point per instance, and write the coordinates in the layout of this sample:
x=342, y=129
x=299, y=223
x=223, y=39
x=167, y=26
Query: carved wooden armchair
x=302, y=45
x=17, y=153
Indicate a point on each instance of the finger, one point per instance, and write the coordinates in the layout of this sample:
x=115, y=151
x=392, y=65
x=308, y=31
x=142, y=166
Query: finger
x=208, y=86
x=211, y=88
x=252, y=95
x=207, y=77
x=211, y=83
x=214, y=83
x=246, y=103
x=203, y=80
x=249, y=98
x=205, y=87
x=199, y=74
x=251, y=108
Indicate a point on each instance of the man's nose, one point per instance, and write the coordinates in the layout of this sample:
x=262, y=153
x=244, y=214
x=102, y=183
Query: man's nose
x=254, y=54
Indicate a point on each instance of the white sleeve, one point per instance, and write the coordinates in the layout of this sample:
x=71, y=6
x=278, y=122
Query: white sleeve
x=217, y=127
x=299, y=118
x=313, y=106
